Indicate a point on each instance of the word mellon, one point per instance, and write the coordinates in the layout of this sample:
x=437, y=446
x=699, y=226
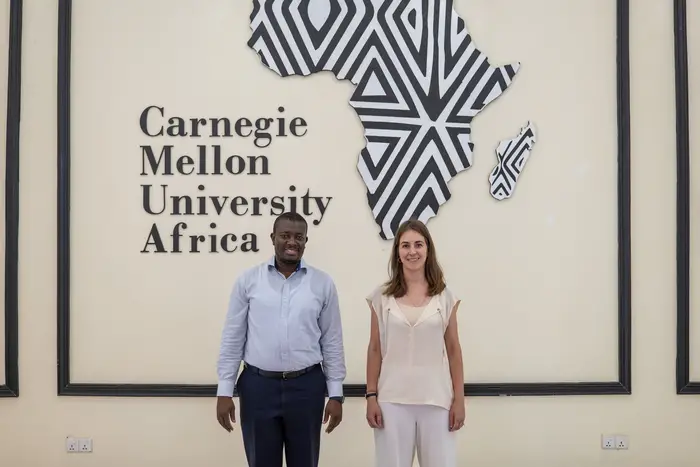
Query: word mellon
x=198, y=243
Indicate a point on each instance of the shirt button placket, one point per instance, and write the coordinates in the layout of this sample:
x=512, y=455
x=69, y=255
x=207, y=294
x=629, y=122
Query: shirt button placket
x=285, y=321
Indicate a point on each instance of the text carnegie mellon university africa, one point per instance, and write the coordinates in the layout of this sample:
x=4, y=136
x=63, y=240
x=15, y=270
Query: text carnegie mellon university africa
x=160, y=199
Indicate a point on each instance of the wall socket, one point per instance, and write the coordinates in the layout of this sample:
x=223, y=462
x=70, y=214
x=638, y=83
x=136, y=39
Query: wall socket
x=621, y=442
x=614, y=442
x=608, y=442
x=78, y=444
x=71, y=445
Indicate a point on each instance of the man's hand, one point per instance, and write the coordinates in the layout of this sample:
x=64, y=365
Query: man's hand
x=334, y=411
x=226, y=412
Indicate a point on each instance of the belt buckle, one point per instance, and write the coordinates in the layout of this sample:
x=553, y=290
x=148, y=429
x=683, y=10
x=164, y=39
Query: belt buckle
x=285, y=373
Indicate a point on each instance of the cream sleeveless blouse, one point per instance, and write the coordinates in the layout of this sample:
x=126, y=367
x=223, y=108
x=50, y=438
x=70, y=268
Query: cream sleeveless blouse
x=415, y=368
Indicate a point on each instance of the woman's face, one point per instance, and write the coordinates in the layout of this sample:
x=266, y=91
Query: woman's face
x=412, y=250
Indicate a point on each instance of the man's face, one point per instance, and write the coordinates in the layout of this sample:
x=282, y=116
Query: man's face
x=289, y=240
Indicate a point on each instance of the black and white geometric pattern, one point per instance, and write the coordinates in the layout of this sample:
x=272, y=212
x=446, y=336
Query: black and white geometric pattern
x=512, y=155
x=420, y=81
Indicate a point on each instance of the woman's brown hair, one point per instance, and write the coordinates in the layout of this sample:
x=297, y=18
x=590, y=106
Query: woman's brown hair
x=396, y=285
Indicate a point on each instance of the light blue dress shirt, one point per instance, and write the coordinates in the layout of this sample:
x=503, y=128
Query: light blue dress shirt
x=282, y=324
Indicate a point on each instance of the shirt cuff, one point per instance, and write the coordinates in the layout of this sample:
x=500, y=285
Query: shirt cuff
x=225, y=388
x=335, y=388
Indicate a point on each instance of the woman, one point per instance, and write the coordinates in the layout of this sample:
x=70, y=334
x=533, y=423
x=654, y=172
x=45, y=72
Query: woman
x=415, y=380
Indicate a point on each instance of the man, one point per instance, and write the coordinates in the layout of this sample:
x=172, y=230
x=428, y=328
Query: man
x=283, y=322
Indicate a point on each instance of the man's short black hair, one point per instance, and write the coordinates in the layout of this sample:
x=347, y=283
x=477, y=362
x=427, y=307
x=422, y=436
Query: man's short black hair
x=290, y=216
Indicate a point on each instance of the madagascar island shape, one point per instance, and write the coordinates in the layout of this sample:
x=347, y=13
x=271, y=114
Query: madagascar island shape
x=419, y=81
x=511, y=155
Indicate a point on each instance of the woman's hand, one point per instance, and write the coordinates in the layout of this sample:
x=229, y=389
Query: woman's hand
x=457, y=415
x=374, y=413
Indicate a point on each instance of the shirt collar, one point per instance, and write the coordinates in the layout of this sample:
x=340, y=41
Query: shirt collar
x=301, y=265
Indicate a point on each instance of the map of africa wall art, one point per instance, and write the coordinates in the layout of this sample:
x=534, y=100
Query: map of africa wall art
x=420, y=81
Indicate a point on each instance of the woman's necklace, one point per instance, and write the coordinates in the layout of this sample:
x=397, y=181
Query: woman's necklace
x=412, y=303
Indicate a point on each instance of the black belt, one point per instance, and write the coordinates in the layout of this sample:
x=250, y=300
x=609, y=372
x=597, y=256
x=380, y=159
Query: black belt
x=280, y=374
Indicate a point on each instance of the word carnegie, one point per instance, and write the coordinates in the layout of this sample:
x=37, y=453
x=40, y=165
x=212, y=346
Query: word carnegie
x=153, y=123
x=210, y=160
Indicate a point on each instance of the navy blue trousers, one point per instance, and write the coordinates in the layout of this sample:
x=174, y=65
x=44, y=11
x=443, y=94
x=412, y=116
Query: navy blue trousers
x=277, y=415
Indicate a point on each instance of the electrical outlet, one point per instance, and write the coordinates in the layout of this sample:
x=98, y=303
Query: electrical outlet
x=71, y=444
x=78, y=444
x=608, y=442
x=85, y=445
x=621, y=442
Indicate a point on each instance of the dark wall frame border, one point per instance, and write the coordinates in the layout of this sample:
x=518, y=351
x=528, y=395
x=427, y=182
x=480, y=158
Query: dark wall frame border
x=621, y=386
x=683, y=383
x=10, y=388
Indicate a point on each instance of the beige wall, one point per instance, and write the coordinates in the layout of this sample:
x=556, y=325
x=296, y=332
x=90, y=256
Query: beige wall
x=136, y=318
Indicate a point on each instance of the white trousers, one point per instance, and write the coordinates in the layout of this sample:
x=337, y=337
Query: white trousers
x=414, y=429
